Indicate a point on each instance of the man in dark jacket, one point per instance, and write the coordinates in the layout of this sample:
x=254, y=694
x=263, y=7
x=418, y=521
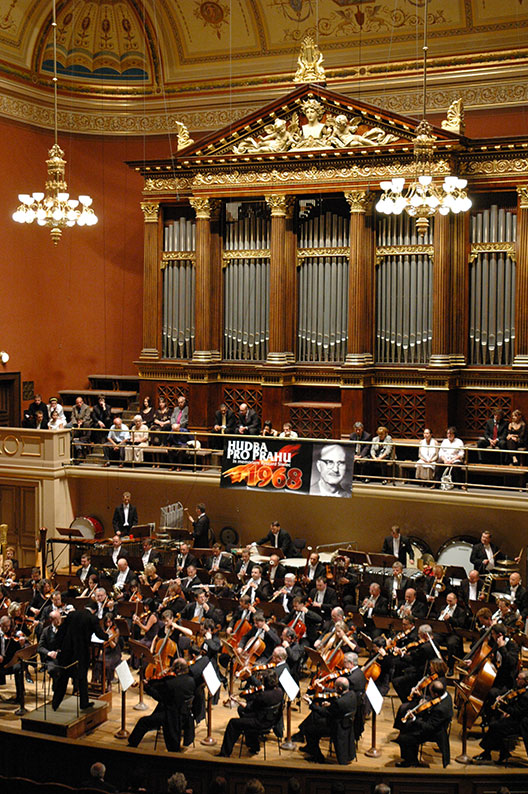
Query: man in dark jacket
x=125, y=516
x=173, y=711
x=333, y=718
x=495, y=432
x=256, y=717
x=248, y=421
x=74, y=637
x=201, y=527
x=429, y=726
x=279, y=539
x=399, y=546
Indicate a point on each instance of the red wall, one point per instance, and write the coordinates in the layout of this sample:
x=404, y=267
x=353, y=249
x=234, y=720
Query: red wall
x=73, y=309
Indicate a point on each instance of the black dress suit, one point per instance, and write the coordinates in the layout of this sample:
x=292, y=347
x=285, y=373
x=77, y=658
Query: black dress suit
x=49, y=642
x=190, y=559
x=418, y=608
x=463, y=591
x=356, y=679
x=478, y=555
x=320, y=570
x=91, y=570
x=329, y=601
x=428, y=726
x=173, y=710
x=263, y=592
x=403, y=584
x=225, y=562
x=337, y=721
x=280, y=541
x=74, y=641
x=251, y=422
x=201, y=532
x=189, y=586
x=313, y=621
x=248, y=569
x=154, y=557
x=404, y=550
x=230, y=421
x=280, y=572
x=118, y=520
x=271, y=640
x=252, y=720
x=412, y=666
x=364, y=449
x=104, y=415
x=489, y=431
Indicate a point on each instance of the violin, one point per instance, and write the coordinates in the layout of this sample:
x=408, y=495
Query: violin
x=422, y=684
x=327, y=681
x=420, y=708
x=321, y=697
x=508, y=697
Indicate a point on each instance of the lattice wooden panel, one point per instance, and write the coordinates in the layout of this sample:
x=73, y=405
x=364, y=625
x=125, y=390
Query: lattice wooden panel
x=235, y=395
x=312, y=422
x=478, y=408
x=403, y=413
x=171, y=392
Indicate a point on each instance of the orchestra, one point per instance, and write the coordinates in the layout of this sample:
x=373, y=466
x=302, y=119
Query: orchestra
x=442, y=645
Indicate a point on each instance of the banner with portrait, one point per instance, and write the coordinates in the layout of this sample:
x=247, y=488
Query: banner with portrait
x=288, y=466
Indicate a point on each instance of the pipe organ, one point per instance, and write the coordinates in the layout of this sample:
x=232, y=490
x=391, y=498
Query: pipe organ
x=323, y=240
x=492, y=287
x=404, y=295
x=179, y=245
x=269, y=277
x=246, y=265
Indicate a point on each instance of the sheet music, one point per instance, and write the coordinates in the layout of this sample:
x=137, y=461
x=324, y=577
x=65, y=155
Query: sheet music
x=211, y=679
x=289, y=684
x=126, y=679
x=374, y=695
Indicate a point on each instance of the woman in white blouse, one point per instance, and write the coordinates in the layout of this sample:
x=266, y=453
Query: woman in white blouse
x=139, y=436
x=56, y=422
x=427, y=456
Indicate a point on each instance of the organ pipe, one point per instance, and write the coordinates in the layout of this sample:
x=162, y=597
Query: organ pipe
x=178, y=289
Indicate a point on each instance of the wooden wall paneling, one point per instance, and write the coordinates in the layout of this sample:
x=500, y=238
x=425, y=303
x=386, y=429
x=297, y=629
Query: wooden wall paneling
x=18, y=509
x=474, y=408
x=274, y=399
x=170, y=392
x=204, y=401
x=460, y=289
x=354, y=408
x=234, y=395
x=437, y=413
x=403, y=412
x=9, y=399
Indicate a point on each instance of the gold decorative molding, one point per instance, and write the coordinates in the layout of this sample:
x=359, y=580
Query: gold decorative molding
x=455, y=121
x=311, y=253
x=176, y=256
x=404, y=250
x=488, y=248
x=205, y=208
x=310, y=63
x=150, y=211
x=522, y=192
x=281, y=206
x=249, y=253
x=167, y=184
x=359, y=201
x=495, y=167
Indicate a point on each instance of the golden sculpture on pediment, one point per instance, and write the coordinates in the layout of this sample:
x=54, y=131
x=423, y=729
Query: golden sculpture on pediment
x=318, y=132
x=310, y=60
x=455, y=121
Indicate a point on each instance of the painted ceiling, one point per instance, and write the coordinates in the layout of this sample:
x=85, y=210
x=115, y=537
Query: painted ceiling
x=129, y=66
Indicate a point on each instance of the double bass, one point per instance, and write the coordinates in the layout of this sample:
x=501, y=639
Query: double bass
x=480, y=677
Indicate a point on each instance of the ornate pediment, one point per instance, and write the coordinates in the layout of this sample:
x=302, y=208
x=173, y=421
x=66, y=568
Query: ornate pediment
x=309, y=119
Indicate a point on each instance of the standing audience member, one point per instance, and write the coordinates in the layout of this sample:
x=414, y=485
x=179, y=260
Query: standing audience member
x=248, y=421
x=179, y=432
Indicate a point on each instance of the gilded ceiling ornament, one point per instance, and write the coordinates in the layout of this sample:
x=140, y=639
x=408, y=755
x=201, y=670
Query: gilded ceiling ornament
x=320, y=131
x=184, y=139
x=523, y=197
x=310, y=60
x=455, y=121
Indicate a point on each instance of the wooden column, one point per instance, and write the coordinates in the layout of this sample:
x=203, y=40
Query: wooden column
x=207, y=295
x=151, y=269
x=449, y=342
x=521, y=282
x=360, y=281
x=282, y=282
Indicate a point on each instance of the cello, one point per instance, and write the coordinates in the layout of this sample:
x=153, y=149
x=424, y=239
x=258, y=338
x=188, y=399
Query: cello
x=480, y=677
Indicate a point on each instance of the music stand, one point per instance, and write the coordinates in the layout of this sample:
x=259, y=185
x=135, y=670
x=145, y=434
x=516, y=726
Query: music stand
x=142, y=652
x=272, y=609
x=387, y=623
x=267, y=551
x=379, y=560
x=23, y=655
x=316, y=659
x=455, y=572
x=127, y=609
x=440, y=626
x=355, y=557
x=70, y=533
x=140, y=531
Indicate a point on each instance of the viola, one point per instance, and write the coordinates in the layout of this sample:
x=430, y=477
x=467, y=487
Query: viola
x=422, y=684
x=421, y=707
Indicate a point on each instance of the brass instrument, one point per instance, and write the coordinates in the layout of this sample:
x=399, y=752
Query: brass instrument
x=367, y=604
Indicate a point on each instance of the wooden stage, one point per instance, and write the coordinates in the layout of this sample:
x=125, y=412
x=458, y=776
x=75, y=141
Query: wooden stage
x=36, y=755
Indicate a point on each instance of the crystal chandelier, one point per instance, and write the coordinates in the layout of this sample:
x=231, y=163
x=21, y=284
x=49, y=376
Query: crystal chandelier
x=54, y=208
x=424, y=197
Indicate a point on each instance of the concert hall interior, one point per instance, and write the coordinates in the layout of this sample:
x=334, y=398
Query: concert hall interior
x=304, y=222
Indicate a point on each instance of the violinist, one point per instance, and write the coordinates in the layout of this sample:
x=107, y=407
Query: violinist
x=409, y=666
x=353, y=673
x=148, y=623
x=505, y=657
x=92, y=583
x=507, y=613
x=204, y=648
x=510, y=719
x=112, y=655
x=173, y=694
x=122, y=577
x=8, y=576
x=10, y=642
x=150, y=577
x=255, y=718
x=263, y=632
x=294, y=652
x=103, y=603
x=174, y=597
x=323, y=598
x=436, y=671
x=41, y=597
x=429, y=722
x=334, y=718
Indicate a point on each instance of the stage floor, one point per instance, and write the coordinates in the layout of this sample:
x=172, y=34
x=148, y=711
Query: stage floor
x=103, y=736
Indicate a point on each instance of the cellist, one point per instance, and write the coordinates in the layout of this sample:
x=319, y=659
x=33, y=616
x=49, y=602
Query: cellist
x=260, y=631
x=301, y=616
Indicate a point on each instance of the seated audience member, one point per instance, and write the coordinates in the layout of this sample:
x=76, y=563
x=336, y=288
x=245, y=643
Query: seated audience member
x=160, y=428
x=380, y=454
x=139, y=438
x=39, y=421
x=361, y=449
x=287, y=431
x=268, y=429
x=114, y=448
x=81, y=420
x=147, y=411
x=427, y=456
x=54, y=405
x=102, y=419
x=515, y=437
x=38, y=405
x=56, y=422
x=97, y=778
x=248, y=421
x=225, y=420
x=179, y=435
x=495, y=432
x=450, y=456
x=177, y=784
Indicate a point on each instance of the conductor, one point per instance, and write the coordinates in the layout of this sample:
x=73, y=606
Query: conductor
x=73, y=639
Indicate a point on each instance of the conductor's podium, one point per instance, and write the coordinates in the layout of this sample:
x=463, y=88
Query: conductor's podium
x=67, y=721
